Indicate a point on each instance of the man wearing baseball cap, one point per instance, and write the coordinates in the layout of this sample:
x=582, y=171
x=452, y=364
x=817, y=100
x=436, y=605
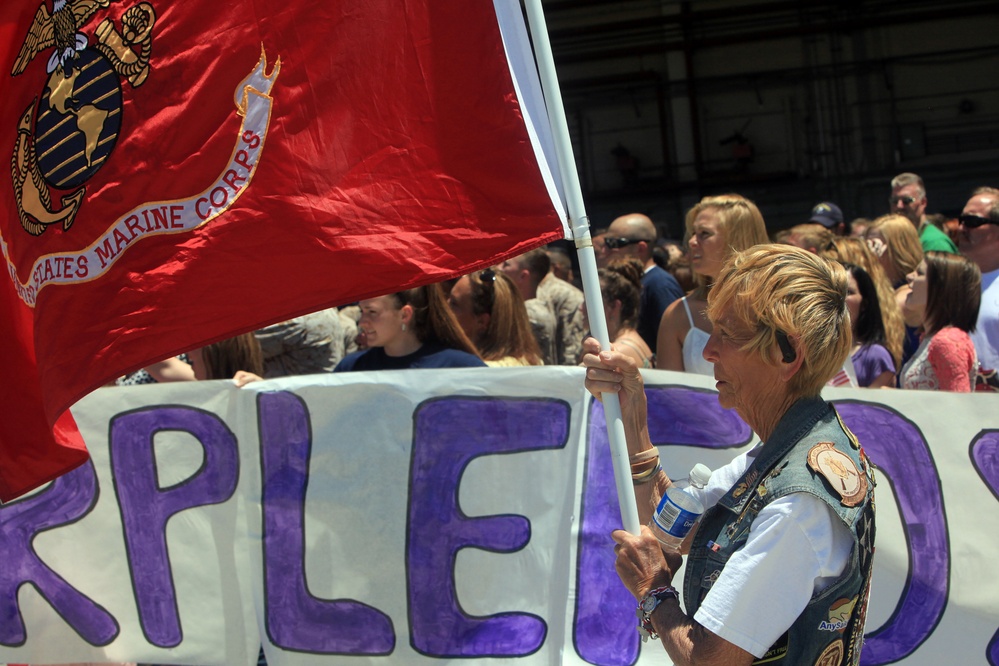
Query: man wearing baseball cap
x=829, y=216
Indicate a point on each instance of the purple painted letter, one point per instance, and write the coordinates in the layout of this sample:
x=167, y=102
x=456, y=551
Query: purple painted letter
x=69, y=498
x=146, y=507
x=985, y=456
x=296, y=620
x=897, y=447
x=604, y=630
x=449, y=433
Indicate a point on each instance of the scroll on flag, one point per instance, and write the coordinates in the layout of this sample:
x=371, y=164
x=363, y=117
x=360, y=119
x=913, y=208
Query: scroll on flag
x=182, y=171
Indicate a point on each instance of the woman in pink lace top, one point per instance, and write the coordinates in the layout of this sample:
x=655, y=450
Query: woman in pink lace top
x=946, y=292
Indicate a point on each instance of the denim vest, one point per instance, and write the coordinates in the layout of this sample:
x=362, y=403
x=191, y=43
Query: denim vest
x=804, y=454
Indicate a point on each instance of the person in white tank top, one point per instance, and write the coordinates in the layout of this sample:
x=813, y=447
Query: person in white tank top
x=715, y=229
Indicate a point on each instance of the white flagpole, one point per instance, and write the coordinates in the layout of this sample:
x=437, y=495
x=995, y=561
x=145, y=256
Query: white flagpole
x=580, y=226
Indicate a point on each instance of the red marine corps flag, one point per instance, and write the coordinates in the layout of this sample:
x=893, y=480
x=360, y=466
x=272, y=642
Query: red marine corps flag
x=183, y=170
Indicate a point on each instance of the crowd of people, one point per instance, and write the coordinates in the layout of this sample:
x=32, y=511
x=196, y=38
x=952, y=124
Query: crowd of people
x=923, y=300
x=778, y=569
x=902, y=300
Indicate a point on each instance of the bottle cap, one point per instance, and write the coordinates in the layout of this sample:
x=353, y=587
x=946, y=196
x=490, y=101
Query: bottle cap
x=700, y=474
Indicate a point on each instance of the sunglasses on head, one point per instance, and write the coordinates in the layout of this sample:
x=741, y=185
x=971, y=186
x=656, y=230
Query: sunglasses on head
x=904, y=199
x=618, y=243
x=487, y=278
x=969, y=221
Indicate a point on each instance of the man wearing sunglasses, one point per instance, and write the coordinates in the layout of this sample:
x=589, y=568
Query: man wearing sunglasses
x=908, y=199
x=979, y=241
x=634, y=235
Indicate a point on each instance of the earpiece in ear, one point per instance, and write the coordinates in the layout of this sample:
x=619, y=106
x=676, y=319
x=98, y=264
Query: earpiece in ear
x=786, y=350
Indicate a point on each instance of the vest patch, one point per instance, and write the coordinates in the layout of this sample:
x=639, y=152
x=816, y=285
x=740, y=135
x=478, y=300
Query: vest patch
x=840, y=471
x=839, y=615
x=832, y=655
x=710, y=579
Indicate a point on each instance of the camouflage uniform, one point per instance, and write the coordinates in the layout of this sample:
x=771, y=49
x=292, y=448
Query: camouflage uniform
x=565, y=301
x=349, y=317
x=310, y=344
x=543, y=326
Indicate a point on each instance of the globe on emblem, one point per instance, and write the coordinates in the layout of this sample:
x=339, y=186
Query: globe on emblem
x=79, y=117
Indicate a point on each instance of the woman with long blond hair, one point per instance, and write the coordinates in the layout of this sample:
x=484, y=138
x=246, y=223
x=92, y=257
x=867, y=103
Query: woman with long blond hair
x=895, y=241
x=852, y=250
x=716, y=228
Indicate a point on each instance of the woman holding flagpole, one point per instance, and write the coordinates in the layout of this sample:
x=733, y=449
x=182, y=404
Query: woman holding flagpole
x=779, y=565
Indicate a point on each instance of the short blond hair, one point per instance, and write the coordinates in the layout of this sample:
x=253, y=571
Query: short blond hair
x=816, y=238
x=772, y=288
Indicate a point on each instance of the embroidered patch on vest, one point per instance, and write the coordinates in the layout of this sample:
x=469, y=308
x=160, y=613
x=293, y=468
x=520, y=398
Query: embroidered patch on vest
x=711, y=579
x=839, y=615
x=775, y=472
x=749, y=480
x=832, y=655
x=840, y=471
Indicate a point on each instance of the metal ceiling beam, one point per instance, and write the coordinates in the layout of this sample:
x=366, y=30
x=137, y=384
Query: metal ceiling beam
x=903, y=15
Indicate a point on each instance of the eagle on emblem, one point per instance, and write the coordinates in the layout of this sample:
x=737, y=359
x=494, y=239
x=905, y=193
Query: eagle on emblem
x=57, y=29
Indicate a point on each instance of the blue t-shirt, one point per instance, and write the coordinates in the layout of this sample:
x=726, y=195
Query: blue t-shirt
x=427, y=356
x=659, y=290
x=870, y=362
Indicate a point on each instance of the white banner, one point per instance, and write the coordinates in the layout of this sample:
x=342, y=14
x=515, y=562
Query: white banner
x=429, y=516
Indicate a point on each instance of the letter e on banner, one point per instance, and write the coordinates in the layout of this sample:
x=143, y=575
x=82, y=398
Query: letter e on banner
x=449, y=434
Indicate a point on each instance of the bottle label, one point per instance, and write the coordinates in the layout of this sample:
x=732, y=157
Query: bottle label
x=673, y=520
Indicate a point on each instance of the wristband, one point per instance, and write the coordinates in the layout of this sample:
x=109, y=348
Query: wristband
x=648, y=605
x=648, y=455
x=646, y=476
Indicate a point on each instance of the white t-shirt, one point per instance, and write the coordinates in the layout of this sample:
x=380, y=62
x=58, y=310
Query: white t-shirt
x=796, y=546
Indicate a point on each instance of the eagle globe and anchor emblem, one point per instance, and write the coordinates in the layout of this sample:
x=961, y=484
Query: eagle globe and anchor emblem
x=78, y=114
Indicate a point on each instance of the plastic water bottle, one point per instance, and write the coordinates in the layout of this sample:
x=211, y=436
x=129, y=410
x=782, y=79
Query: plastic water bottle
x=678, y=510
